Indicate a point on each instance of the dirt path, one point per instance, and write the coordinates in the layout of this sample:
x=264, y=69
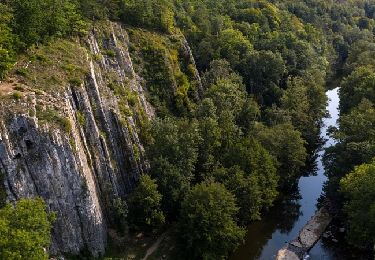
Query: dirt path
x=155, y=246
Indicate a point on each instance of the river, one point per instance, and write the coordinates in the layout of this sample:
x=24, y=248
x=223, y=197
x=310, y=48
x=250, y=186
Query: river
x=284, y=221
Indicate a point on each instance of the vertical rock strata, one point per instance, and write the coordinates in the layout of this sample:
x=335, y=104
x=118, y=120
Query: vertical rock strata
x=97, y=158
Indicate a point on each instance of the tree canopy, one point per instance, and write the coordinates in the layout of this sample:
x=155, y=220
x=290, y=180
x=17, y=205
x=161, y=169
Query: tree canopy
x=359, y=188
x=207, y=225
x=25, y=230
x=240, y=118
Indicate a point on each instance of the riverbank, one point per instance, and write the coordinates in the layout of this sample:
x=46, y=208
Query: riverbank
x=284, y=222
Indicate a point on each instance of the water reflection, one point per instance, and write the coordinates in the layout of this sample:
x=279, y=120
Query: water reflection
x=280, y=218
x=289, y=215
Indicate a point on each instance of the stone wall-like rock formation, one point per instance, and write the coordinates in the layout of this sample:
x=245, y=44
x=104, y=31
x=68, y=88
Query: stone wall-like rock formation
x=98, y=157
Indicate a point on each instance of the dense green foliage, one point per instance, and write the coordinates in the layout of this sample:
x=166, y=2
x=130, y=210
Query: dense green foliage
x=24, y=23
x=359, y=188
x=355, y=148
x=185, y=152
x=287, y=146
x=246, y=134
x=207, y=228
x=25, y=230
x=144, y=204
x=349, y=27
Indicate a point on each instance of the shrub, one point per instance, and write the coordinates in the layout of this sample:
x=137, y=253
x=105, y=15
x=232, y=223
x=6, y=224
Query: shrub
x=22, y=72
x=19, y=88
x=75, y=81
x=81, y=118
x=52, y=116
x=110, y=53
x=17, y=95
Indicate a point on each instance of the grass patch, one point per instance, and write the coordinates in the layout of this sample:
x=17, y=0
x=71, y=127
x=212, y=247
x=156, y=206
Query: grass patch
x=31, y=113
x=52, y=116
x=97, y=57
x=81, y=118
x=75, y=82
x=54, y=66
x=38, y=92
x=124, y=109
x=70, y=67
x=158, y=59
x=39, y=57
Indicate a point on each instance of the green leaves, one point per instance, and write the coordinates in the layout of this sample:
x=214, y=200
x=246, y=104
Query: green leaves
x=233, y=46
x=287, y=146
x=359, y=189
x=36, y=20
x=144, y=205
x=8, y=42
x=152, y=14
x=24, y=23
x=25, y=230
x=6, y=62
x=176, y=141
x=207, y=227
x=358, y=85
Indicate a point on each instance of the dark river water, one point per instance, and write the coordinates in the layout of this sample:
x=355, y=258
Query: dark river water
x=284, y=221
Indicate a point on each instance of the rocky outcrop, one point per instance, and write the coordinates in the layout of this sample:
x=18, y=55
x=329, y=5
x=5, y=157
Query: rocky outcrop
x=308, y=236
x=97, y=157
x=188, y=55
x=39, y=163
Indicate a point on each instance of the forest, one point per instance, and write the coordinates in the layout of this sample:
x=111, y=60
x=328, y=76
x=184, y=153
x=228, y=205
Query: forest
x=221, y=155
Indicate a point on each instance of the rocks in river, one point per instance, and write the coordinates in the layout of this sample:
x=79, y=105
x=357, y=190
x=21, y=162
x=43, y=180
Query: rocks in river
x=314, y=228
x=286, y=254
x=307, y=237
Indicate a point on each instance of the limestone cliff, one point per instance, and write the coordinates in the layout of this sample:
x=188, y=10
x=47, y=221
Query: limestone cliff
x=71, y=118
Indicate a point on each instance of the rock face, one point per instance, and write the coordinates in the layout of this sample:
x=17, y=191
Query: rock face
x=39, y=164
x=96, y=158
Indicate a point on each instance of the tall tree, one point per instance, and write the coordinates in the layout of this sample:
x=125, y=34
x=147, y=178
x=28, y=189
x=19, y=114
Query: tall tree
x=144, y=205
x=207, y=226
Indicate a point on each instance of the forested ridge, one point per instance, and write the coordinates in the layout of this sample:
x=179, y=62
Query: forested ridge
x=223, y=148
